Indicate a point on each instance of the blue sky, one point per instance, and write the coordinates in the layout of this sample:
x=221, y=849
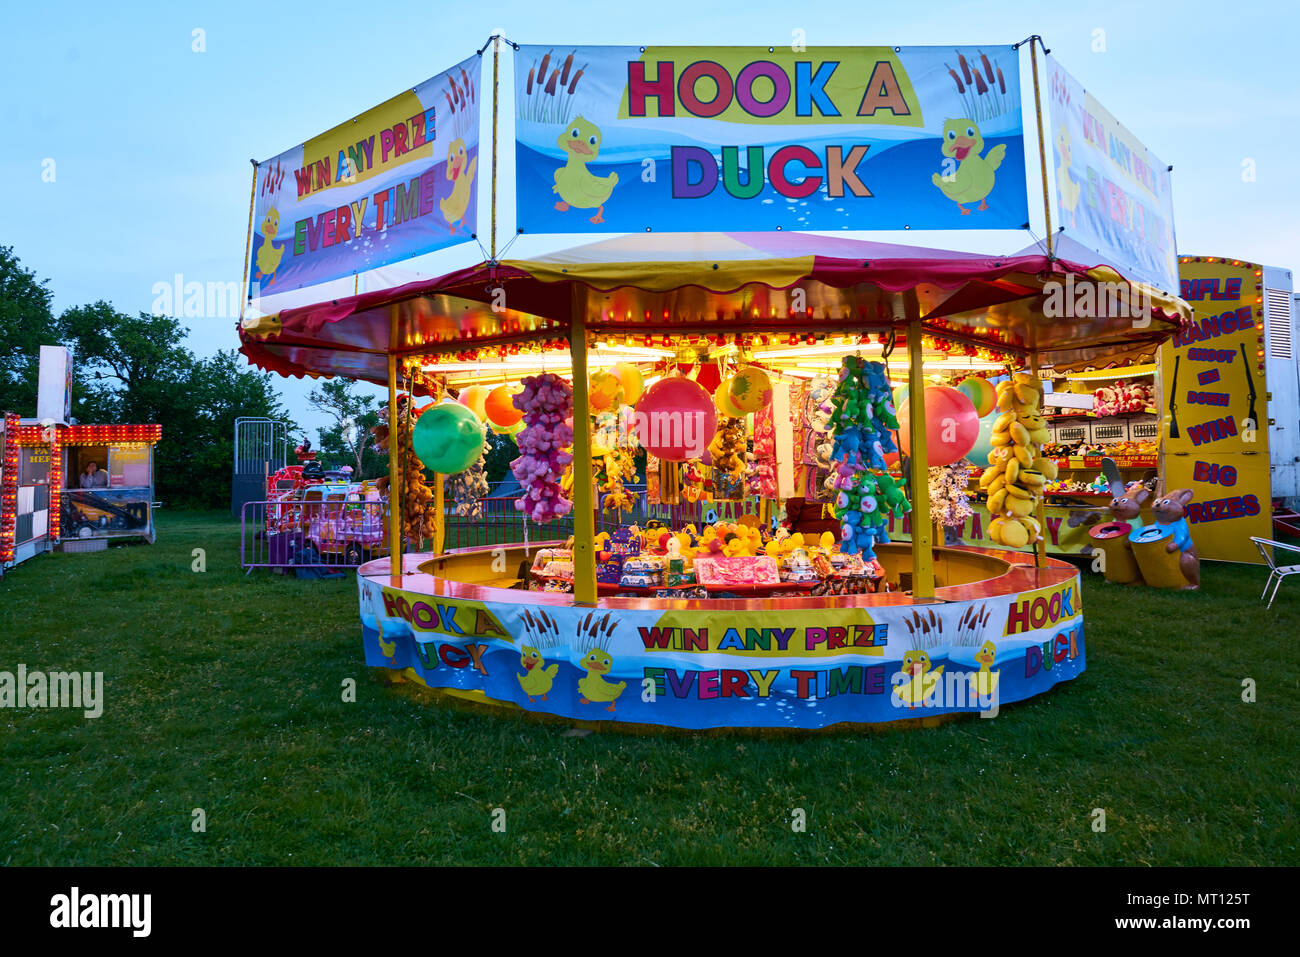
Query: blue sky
x=150, y=141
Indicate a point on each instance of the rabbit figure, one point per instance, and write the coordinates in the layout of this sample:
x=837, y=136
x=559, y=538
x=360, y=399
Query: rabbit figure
x=1170, y=512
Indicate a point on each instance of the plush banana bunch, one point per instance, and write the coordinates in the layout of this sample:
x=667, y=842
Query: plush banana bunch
x=1017, y=469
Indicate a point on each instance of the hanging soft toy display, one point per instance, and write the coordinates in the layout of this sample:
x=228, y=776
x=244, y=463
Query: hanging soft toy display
x=468, y=487
x=696, y=484
x=1017, y=469
x=761, y=476
x=862, y=418
x=614, y=463
x=728, y=451
x=949, y=505
x=418, y=512
x=546, y=401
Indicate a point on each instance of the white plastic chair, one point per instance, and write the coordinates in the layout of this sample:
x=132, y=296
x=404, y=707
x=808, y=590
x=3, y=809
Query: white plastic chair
x=1276, y=571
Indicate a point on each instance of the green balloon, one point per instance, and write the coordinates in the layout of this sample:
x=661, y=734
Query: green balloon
x=448, y=438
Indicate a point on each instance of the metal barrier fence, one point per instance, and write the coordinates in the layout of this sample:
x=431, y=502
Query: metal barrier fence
x=261, y=449
x=311, y=535
x=500, y=523
x=329, y=535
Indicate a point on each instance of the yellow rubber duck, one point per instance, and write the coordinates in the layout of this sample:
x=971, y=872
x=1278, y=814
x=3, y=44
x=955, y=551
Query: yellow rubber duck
x=593, y=687
x=389, y=648
x=1066, y=188
x=269, y=254
x=984, y=681
x=975, y=174
x=539, y=676
x=915, y=691
x=576, y=187
x=455, y=206
x=684, y=540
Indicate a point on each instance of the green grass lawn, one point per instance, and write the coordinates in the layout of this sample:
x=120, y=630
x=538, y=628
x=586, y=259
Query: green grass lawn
x=223, y=692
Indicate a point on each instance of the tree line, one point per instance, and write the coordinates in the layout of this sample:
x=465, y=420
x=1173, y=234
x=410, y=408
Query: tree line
x=135, y=369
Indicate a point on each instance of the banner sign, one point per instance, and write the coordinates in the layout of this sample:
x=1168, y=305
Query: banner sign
x=1216, y=441
x=398, y=181
x=625, y=139
x=1066, y=528
x=1112, y=193
x=805, y=668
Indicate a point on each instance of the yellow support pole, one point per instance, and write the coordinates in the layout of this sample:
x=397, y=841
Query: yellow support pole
x=1042, y=143
x=584, y=528
x=439, y=514
x=922, y=530
x=1040, y=548
x=248, y=242
x=394, y=476
x=496, y=89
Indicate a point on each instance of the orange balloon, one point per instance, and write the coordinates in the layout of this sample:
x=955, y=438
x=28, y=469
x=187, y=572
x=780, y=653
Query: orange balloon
x=474, y=398
x=500, y=408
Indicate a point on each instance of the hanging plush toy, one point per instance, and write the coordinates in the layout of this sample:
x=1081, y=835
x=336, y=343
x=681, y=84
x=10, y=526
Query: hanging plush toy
x=418, y=512
x=1017, y=468
x=468, y=487
x=547, y=402
x=949, y=505
x=614, y=464
x=728, y=449
x=863, y=419
x=761, y=479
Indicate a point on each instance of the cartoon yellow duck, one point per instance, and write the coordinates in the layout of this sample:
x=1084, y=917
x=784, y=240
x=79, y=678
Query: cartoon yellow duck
x=974, y=177
x=455, y=206
x=388, y=648
x=984, y=682
x=539, y=677
x=915, y=691
x=576, y=187
x=1066, y=188
x=593, y=687
x=269, y=254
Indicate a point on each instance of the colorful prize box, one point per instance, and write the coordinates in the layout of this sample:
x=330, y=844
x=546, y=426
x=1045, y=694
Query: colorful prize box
x=610, y=571
x=626, y=542
x=737, y=570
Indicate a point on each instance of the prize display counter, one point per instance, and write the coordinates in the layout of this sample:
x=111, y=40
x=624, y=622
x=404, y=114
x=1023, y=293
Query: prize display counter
x=851, y=389
x=999, y=629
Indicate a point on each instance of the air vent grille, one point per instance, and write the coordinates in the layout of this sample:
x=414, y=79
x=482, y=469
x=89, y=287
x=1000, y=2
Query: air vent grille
x=1278, y=304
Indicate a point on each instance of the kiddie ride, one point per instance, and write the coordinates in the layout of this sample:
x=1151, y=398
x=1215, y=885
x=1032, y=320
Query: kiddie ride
x=744, y=623
x=341, y=519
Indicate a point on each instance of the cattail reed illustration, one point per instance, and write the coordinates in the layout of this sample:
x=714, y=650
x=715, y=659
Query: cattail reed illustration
x=595, y=631
x=550, y=89
x=460, y=98
x=983, y=93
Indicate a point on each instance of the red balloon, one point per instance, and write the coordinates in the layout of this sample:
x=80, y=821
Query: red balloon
x=951, y=425
x=676, y=420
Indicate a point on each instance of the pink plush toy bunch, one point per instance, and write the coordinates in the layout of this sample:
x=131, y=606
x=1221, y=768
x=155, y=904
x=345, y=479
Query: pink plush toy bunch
x=1123, y=396
x=546, y=401
x=762, y=474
